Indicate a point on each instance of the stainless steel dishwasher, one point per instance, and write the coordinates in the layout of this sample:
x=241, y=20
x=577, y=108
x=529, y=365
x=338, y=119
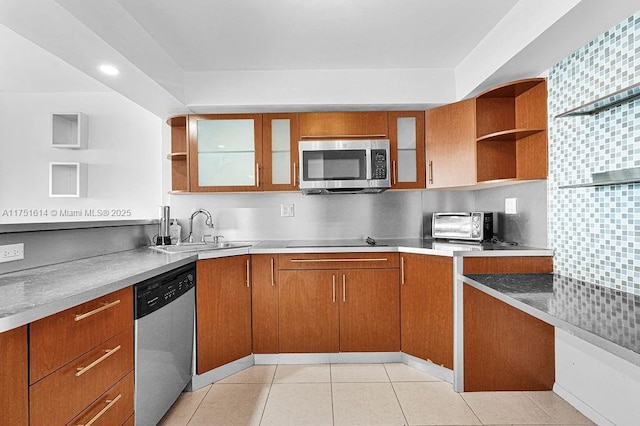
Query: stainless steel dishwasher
x=164, y=323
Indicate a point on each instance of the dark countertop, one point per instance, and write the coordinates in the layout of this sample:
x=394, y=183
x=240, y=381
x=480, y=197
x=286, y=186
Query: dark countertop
x=605, y=317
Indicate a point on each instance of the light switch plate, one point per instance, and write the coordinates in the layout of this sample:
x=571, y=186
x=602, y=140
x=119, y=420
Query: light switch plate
x=286, y=210
x=510, y=206
x=11, y=252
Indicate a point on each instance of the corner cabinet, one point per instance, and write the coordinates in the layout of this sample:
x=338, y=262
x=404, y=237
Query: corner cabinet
x=179, y=156
x=225, y=152
x=498, y=136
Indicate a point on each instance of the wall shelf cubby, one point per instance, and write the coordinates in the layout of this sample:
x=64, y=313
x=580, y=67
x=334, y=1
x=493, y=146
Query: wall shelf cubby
x=69, y=130
x=617, y=98
x=67, y=179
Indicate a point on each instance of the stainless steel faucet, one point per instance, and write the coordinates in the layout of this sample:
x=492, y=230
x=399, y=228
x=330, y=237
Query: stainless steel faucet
x=208, y=221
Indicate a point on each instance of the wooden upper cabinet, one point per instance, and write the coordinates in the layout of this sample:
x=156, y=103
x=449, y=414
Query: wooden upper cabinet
x=225, y=152
x=344, y=125
x=407, y=139
x=280, y=152
x=451, y=154
x=178, y=156
x=14, y=392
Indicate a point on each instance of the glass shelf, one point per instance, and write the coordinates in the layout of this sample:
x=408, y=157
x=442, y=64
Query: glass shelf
x=615, y=177
x=621, y=96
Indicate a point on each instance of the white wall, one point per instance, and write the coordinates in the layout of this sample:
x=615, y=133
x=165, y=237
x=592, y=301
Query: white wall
x=123, y=157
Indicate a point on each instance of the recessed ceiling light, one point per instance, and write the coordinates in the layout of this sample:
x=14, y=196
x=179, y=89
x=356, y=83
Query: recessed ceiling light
x=109, y=69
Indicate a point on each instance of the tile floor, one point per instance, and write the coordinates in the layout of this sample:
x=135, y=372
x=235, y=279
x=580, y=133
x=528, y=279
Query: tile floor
x=359, y=394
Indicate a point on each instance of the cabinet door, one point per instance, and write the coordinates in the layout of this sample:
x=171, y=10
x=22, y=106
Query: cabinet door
x=426, y=286
x=225, y=152
x=264, y=304
x=406, y=134
x=223, y=311
x=308, y=311
x=341, y=125
x=14, y=403
x=280, y=152
x=451, y=149
x=369, y=310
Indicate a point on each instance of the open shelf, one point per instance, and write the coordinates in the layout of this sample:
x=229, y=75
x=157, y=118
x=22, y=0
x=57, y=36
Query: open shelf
x=617, y=98
x=69, y=130
x=179, y=155
x=67, y=179
x=615, y=177
x=510, y=135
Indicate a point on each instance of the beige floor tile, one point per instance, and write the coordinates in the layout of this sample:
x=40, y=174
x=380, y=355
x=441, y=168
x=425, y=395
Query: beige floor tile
x=358, y=373
x=366, y=404
x=558, y=408
x=506, y=408
x=433, y=403
x=232, y=404
x=254, y=374
x=184, y=407
x=403, y=373
x=298, y=404
x=319, y=373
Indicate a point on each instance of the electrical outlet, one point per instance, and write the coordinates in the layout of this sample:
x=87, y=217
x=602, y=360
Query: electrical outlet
x=11, y=252
x=286, y=210
x=510, y=206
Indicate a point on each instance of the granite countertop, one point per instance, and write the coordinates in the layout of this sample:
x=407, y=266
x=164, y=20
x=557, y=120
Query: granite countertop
x=605, y=317
x=31, y=294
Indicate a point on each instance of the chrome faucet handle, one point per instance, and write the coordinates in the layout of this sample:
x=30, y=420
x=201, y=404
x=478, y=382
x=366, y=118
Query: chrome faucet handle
x=216, y=238
x=203, y=239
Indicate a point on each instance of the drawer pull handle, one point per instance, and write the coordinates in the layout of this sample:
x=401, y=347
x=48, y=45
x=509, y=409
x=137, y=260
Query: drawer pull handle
x=106, y=305
x=402, y=270
x=248, y=276
x=110, y=403
x=337, y=260
x=109, y=352
x=344, y=288
x=334, y=289
x=272, y=271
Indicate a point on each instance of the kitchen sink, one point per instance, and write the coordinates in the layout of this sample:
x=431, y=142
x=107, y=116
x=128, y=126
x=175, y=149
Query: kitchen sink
x=191, y=247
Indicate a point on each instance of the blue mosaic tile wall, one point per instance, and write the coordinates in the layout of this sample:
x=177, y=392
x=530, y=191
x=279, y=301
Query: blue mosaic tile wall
x=595, y=231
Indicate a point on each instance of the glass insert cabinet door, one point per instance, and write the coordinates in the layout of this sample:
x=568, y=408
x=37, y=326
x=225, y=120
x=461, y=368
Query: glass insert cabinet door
x=407, y=138
x=280, y=150
x=228, y=152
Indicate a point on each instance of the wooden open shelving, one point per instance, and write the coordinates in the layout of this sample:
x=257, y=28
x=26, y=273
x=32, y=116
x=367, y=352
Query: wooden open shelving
x=179, y=155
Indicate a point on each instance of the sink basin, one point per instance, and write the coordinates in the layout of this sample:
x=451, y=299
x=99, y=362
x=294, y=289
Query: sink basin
x=191, y=247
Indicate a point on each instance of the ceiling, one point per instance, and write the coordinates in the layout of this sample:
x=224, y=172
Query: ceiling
x=226, y=55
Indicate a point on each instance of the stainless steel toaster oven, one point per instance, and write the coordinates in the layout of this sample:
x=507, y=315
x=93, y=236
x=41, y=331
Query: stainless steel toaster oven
x=470, y=226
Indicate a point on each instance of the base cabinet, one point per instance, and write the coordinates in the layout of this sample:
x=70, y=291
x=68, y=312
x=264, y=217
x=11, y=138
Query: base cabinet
x=14, y=396
x=223, y=311
x=264, y=304
x=427, y=307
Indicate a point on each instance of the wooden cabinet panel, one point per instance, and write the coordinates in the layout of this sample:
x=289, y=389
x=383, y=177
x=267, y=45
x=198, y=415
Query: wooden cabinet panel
x=308, y=311
x=382, y=260
x=505, y=349
x=60, y=338
x=407, y=150
x=280, y=152
x=14, y=404
x=369, y=310
x=427, y=307
x=59, y=397
x=223, y=311
x=339, y=125
x=264, y=304
x=451, y=151
x=114, y=407
x=508, y=265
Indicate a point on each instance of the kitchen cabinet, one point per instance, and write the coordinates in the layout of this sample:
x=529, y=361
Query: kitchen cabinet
x=280, y=151
x=223, y=311
x=500, y=135
x=426, y=288
x=264, y=303
x=79, y=354
x=225, y=152
x=347, y=302
x=407, y=140
x=179, y=155
x=14, y=395
x=344, y=125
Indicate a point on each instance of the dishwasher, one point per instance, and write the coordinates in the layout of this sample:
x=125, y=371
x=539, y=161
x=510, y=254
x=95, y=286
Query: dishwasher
x=164, y=314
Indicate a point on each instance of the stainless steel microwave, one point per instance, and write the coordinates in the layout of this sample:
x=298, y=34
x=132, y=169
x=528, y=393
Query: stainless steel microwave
x=344, y=166
x=471, y=226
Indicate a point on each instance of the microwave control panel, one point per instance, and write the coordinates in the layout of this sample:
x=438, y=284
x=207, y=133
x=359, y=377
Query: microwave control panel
x=378, y=164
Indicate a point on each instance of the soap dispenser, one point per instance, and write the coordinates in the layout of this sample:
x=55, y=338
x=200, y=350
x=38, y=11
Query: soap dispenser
x=175, y=232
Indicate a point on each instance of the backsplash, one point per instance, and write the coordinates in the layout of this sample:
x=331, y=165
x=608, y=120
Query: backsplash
x=595, y=232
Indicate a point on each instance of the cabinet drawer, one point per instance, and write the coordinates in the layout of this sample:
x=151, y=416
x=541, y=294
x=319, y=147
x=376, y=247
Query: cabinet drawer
x=338, y=261
x=59, y=397
x=62, y=337
x=113, y=407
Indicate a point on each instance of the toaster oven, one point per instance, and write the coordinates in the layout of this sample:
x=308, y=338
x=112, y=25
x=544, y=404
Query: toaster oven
x=470, y=226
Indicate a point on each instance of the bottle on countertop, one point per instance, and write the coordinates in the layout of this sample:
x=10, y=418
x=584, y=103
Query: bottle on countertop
x=175, y=232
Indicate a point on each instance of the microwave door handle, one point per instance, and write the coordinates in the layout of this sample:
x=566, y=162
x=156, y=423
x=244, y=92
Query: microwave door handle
x=454, y=214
